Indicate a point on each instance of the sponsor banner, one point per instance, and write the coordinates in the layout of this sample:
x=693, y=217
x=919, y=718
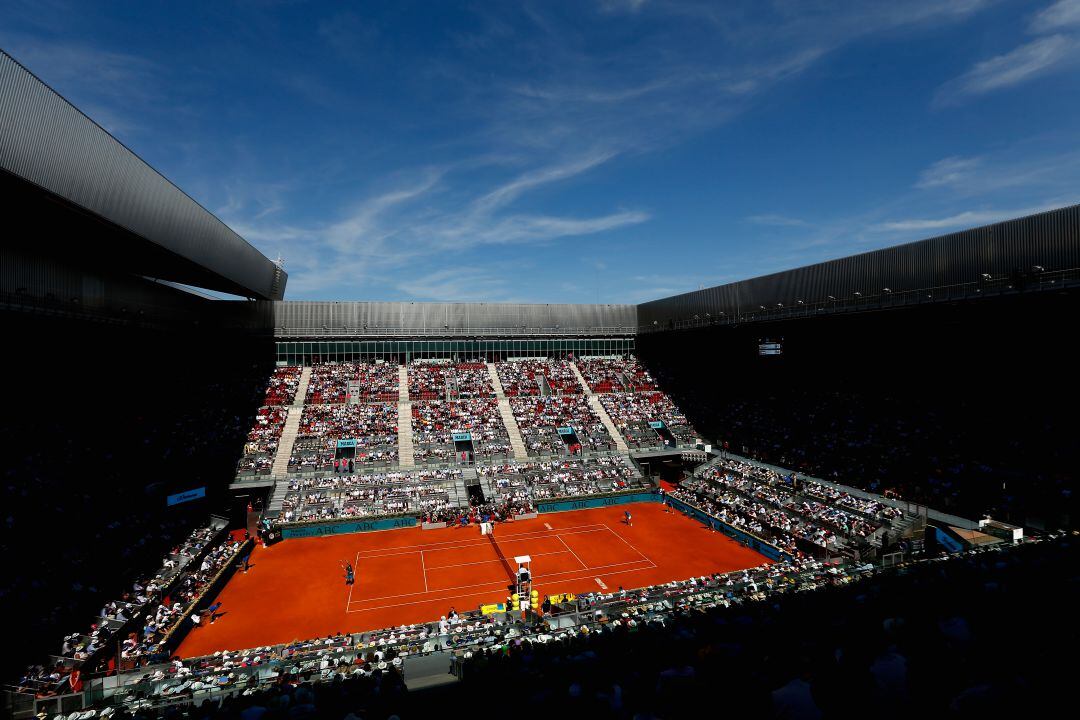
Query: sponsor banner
x=655, y=424
x=563, y=597
x=493, y=609
x=346, y=443
x=462, y=437
x=595, y=502
x=339, y=528
x=565, y=430
x=186, y=496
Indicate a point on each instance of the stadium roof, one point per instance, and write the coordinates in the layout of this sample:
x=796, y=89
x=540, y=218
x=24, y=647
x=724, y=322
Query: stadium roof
x=48, y=147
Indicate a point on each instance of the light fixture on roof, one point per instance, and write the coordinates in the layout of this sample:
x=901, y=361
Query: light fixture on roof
x=887, y=290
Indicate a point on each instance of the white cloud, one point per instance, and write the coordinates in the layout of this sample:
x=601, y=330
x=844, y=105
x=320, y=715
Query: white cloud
x=970, y=218
x=774, y=220
x=1024, y=63
x=950, y=171
x=1062, y=14
x=630, y=6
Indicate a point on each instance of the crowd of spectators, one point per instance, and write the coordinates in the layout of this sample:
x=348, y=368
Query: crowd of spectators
x=449, y=380
x=381, y=494
x=281, y=387
x=150, y=644
x=435, y=422
x=548, y=376
x=607, y=375
x=770, y=486
x=337, y=383
x=632, y=413
x=373, y=427
x=763, y=520
x=539, y=420
x=525, y=483
x=262, y=440
x=144, y=599
x=85, y=493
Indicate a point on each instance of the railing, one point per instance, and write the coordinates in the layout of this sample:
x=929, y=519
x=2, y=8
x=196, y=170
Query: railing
x=284, y=331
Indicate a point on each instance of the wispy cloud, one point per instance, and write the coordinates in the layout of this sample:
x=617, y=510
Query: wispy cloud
x=950, y=171
x=1062, y=14
x=421, y=221
x=773, y=220
x=112, y=88
x=970, y=218
x=1034, y=59
x=630, y=6
x=1024, y=63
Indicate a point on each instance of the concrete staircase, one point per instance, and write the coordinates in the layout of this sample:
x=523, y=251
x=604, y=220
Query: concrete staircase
x=292, y=427
x=516, y=442
x=580, y=378
x=301, y=388
x=404, y=421
x=281, y=488
x=402, y=383
x=620, y=444
x=598, y=408
x=404, y=435
x=458, y=494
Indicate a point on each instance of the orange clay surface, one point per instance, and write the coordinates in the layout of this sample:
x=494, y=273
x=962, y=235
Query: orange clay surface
x=296, y=589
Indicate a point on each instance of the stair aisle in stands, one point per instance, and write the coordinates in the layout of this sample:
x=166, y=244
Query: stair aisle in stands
x=516, y=443
x=292, y=427
x=598, y=408
x=404, y=424
x=281, y=489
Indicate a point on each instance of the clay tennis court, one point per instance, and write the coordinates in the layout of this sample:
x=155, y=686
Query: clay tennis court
x=296, y=589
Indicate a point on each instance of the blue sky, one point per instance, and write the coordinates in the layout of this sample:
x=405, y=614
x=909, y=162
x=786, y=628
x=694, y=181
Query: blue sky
x=587, y=151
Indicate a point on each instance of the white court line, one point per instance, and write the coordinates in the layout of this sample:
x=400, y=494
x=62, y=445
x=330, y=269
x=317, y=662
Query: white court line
x=583, y=565
x=356, y=563
x=423, y=567
x=495, y=560
x=502, y=588
x=628, y=544
x=416, y=549
x=467, y=543
x=501, y=584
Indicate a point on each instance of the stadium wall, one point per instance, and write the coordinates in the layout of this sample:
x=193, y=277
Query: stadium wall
x=308, y=320
x=1036, y=252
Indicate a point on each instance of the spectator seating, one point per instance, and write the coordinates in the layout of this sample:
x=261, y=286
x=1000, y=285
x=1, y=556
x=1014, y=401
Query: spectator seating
x=262, y=441
x=373, y=426
x=607, y=375
x=632, y=413
x=435, y=422
x=525, y=483
x=540, y=418
x=449, y=381
x=548, y=376
x=355, y=496
x=374, y=382
x=281, y=387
